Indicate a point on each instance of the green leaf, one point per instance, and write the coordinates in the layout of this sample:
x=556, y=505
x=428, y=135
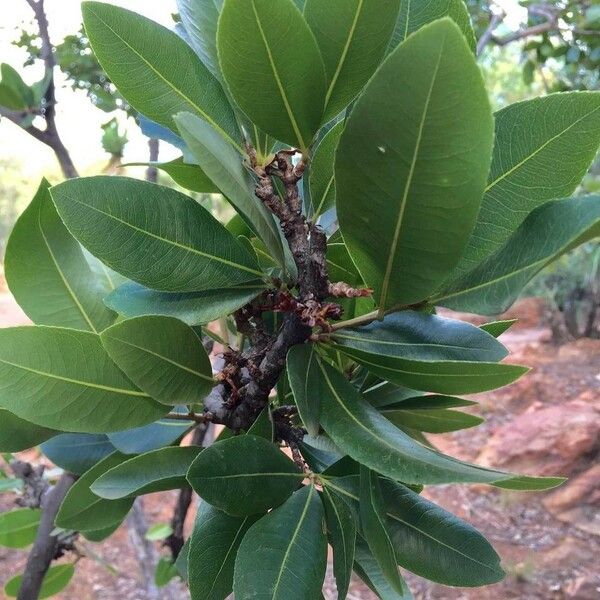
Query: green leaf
x=431, y=420
x=17, y=434
x=429, y=540
x=14, y=81
x=303, y=374
x=126, y=45
x=10, y=99
x=421, y=336
x=194, y=308
x=370, y=572
x=165, y=572
x=158, y=531
x=341, y=526
x=353, y=36
x=213, y=548
x=63, y=378
x=273, y=67
x=244, y=475
x=429, y=401
x=321, y=176
x=420, y=135
x=220, y=161
x=18, y=528
x=284, y=554
x=152, y=234
x=369, y=438
x=56, y=579
x=441, y=376
x=263, y=425
x=200, y=19
x=415, y=14
x=156, y=471
x=48, y=273
x=151, y=437
x=543, y=149
x=386, y=394
x=77, y=452
x=162, y=356
x=99, y=535
x=187, y=175
x=497, y=328
x=82, y=509
x=374, y=528
x=546, y=234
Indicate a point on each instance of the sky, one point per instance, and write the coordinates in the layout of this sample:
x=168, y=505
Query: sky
x=77, y=120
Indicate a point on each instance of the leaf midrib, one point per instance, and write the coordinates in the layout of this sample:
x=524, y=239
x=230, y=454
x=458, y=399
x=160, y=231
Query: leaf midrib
x=98, y=386
x=63, y=276
x=344, y=53
x=537, y=151
x=407, y=187
x=165, y=358
x=280, y=87
x=169, y=83
x=168, y=241
x=411, y=526
x=292, y=542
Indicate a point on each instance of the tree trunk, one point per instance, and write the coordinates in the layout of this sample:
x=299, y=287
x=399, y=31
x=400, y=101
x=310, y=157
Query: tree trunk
x=45, y=545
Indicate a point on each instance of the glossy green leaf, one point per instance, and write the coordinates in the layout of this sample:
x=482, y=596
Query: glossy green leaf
x=321, y=177
x=546, y=234
x=263, y=425
x=12, y=80
x=158, y=532
x=99, y=535
x=18, y=527
x=429, y=540
x=420, y=135
x=10, y=99
x=17, y=434
x=47, y=271
x=431, y=420
x=542, y=151
x=353, y=36
x=369, y=438
x=200, y=19
x=56, y=579
x=127, y=44
x=220, y=161
x=162, y=356
x=427, y=402
x=374, y=528
x=497, y=328
x=82, y=509
x=370, y=572
x=421, y=336
x=386, y=394
x=273, y=67
x=284, y=554
x=63, y=378
x=415, y=14
x=303, y=374
x=151, y=437
x=152, y=234
x=156, y=471
x=193, y=308
x=77, y=452
x=187, y=175
x=442, y=376
x=213, y=548
x=244, y=475
x=341, y=527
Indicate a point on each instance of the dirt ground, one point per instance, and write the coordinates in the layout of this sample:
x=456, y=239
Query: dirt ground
x=545, y=559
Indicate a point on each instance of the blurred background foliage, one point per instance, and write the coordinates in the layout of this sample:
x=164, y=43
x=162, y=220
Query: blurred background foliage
x=555, y=47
